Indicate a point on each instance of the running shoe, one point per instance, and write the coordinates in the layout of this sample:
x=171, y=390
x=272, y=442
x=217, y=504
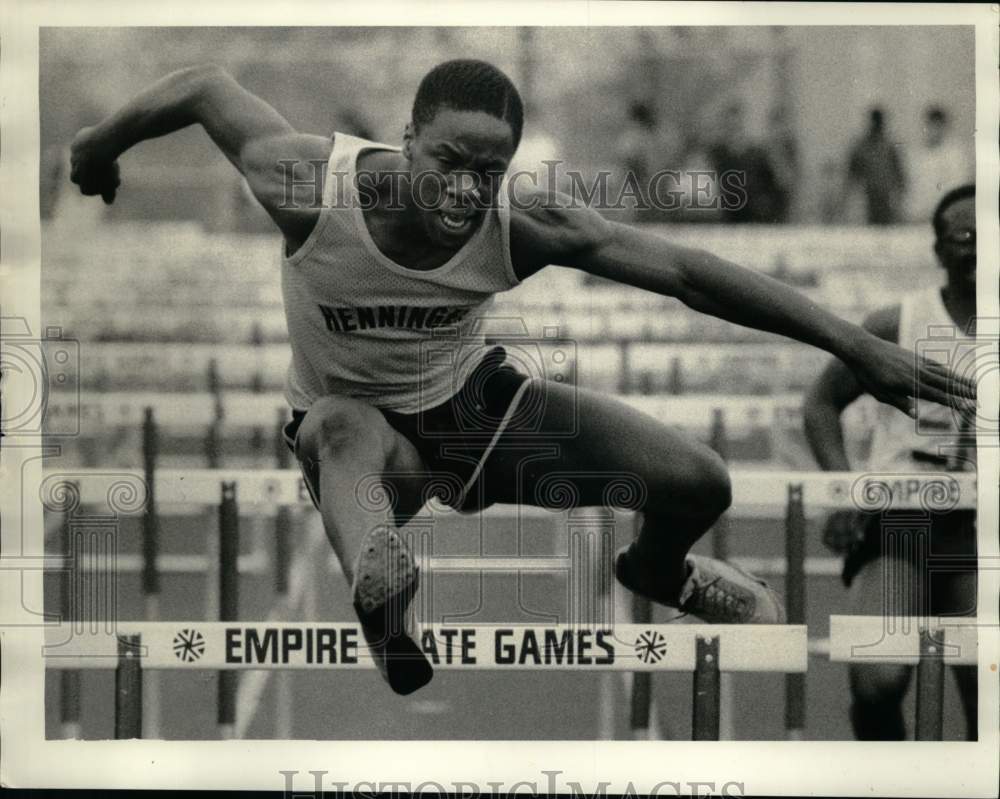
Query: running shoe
x=385, y=581
x=720, y=593
x=714, y=591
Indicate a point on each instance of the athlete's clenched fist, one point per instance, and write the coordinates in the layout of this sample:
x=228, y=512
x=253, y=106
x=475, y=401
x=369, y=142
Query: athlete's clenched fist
x=90, y=167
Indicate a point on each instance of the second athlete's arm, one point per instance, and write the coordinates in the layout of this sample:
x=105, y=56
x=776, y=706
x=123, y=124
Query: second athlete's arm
x=833, y=391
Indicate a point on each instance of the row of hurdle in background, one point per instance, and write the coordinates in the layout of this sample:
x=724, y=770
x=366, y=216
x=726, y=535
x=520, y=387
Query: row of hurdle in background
x=220, y=416
x=627, y=367
x=755, y=493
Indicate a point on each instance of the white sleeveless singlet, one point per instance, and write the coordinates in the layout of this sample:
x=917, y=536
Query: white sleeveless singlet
x=928, y=443
x=365, y=327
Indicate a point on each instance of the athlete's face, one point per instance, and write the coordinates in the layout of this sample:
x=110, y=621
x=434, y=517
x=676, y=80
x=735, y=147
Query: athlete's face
x=456, y=163
x=956, y=246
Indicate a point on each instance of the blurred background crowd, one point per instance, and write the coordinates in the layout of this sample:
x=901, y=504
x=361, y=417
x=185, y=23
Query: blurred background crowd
x=827, y=125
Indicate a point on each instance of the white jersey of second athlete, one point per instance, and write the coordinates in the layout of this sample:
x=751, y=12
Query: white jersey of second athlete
x=929, y=442
x=363, y=326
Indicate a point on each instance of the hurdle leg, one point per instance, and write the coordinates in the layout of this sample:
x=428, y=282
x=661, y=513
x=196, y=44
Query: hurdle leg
x=719, y=441
x=128, y=688
x=604, y=586
x=930, y=687
x=283, y=696
x=150, y=563
x=69, y=680
x=641, y=686
x=229, y=575
x=643, y=719
x=706, y=700
x=795, y=606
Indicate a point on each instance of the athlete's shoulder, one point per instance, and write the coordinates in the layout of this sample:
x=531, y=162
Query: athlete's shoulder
x=546, y=226
x=286, y=173
x=288, y=151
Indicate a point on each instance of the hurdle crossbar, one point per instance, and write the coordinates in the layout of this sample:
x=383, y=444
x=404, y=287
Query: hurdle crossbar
x=187, y=359
x=332, y=645
x=241, y=410
x=754, y=492
x=896, y=639
x=258, y=563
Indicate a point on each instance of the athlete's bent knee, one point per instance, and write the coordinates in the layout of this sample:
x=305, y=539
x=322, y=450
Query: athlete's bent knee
x=335, y=425
x=703, y=491
x=715, y=487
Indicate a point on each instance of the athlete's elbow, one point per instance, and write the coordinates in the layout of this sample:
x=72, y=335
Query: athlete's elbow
x=200, y=82
x=206, y=73
x=204, y=92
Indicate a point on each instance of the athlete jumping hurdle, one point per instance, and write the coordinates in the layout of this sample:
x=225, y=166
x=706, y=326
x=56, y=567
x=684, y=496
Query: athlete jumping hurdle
x=908, y=564
x=388, y=249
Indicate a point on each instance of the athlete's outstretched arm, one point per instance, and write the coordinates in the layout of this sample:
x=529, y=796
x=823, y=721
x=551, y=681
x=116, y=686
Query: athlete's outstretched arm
x=555, y=232
x=251, y=134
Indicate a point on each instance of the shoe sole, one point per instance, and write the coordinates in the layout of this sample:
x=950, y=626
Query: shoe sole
x=386, y=580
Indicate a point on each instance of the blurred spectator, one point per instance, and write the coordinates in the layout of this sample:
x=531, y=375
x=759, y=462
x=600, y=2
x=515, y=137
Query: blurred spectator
x=645, y=148
x=637, y=142
x=876, y=168
x=783, y=151
x=638, y=158
x=750, y=190
x=698, y=186
x=936, y=165
x=829, y=209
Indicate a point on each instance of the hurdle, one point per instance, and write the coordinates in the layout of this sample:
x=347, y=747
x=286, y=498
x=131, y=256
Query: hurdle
x=927, y=643
x=705, y=651
x=238, y=411
x=755, y=493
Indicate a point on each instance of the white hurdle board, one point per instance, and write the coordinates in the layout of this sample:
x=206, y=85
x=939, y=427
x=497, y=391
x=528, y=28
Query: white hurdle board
x=333, y=645
x=755, y=493
x=896, y=639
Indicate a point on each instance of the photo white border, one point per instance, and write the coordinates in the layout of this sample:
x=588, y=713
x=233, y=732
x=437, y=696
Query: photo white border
x=779, y=767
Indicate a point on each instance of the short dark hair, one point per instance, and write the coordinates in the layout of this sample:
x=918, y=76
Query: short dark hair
x=949, y=199
x=469, y=85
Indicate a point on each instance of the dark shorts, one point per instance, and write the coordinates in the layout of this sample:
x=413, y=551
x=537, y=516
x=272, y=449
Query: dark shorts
x=455, y=438
x=945, y=542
